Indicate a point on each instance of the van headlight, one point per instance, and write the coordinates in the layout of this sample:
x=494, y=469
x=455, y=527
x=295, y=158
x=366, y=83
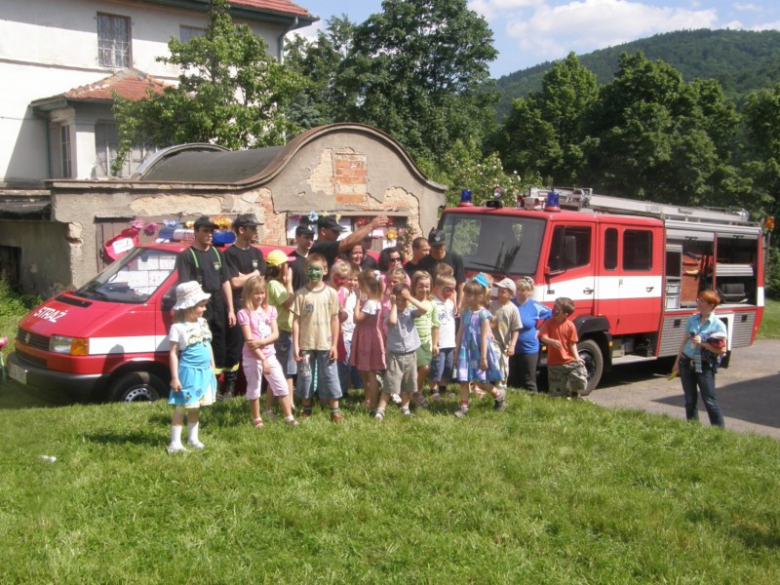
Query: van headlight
x=69, y=345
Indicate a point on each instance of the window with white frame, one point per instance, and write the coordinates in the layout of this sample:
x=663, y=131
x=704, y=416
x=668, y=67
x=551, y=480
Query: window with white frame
x=106, y=147
x=188, y=32
x=113, y=40
x=66, y=165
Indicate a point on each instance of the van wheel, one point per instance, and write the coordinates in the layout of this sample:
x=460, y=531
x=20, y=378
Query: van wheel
x=137, y=387
x=590, y=352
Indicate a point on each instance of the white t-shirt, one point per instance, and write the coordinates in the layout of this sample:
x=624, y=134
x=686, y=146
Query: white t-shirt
x=446, y=313
x=186, y=333
x=348, y=326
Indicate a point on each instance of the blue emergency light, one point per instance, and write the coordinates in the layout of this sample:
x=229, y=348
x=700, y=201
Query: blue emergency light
x=552, y=203
x=465, y=198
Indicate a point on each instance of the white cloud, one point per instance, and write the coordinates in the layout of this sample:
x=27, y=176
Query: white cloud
x=583, y=26
x=747, y=7
x=490, y=9
x=767, y=26
x=309, y=32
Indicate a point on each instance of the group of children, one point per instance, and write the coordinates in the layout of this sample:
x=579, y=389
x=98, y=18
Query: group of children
x=387, y=328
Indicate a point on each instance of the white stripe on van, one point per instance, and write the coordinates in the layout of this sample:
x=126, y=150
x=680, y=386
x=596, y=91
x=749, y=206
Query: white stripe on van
x=129, y=344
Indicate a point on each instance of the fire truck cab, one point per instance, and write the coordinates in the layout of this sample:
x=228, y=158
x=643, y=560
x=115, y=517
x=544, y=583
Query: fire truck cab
x=633, y=268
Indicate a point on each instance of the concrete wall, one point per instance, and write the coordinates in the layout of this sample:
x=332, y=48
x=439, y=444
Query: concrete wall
x=361, y=172
x=48, y=47
x=45, y=254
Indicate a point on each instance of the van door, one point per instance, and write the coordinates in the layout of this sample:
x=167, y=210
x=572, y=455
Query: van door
x=569, y=268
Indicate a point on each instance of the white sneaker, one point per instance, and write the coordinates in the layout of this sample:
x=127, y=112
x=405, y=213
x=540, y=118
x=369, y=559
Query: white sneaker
x=178, y=448
x=461, y=412
x=196, y=444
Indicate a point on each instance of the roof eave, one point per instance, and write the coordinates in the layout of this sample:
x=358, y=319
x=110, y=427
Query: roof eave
x=247, y=13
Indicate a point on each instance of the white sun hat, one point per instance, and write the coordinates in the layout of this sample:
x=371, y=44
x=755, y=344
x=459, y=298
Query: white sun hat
x=189, y=294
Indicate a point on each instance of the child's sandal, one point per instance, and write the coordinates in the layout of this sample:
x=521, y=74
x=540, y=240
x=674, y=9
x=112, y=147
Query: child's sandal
x=258, y=423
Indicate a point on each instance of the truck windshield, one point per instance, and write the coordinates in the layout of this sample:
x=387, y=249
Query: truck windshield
x=131, y=279
x=505, y=244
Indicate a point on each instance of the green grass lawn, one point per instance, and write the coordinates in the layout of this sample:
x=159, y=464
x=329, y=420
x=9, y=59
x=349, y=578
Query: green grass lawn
x=547, y=492
x=770, y=324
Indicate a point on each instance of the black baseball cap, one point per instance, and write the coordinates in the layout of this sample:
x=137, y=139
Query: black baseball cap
x=205, y=221
x=329, y=222
x=245, y=220
x=436, y=237
x=304, y=229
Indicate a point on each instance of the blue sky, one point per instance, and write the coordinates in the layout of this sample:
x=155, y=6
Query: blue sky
x=529, y=32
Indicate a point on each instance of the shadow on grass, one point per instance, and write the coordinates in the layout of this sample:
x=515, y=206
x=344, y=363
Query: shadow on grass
x=14, y=396
x=135, y=438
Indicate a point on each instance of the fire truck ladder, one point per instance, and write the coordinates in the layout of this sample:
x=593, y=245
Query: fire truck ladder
x=585, y=200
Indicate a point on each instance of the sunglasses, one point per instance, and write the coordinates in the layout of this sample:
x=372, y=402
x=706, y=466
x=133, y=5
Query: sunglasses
x=394, y=259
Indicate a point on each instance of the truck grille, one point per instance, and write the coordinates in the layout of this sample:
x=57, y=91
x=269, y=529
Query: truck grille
x=32, y=339
x=743, y=329
x=31, y=359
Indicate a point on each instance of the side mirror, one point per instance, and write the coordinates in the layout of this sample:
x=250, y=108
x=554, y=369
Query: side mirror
x=168, y=300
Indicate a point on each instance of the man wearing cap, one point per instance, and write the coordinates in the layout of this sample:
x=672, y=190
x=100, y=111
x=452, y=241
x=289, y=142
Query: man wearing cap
x=329, y=230
x=439, y=255
x=243, y=262
x=205, y=264
x=420, y=249
x=304, y=239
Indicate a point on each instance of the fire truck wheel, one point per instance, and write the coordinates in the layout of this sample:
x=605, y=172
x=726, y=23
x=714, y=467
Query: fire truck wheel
x=137, y=387
x=590, y=352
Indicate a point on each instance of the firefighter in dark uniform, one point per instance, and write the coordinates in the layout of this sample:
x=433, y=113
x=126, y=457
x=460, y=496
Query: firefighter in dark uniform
x=243, y=262
x=204, y=263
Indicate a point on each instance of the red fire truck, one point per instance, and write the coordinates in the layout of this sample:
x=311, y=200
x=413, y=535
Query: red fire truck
x=633, y=268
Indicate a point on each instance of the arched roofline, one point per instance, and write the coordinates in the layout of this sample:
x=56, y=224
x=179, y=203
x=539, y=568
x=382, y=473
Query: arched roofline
x=288, y=152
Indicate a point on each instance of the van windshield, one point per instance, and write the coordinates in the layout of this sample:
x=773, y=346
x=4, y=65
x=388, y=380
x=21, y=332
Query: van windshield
x=131, y=279
x=505, y=244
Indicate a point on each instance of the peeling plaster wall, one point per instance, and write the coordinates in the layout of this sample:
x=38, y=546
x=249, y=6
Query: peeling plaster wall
x=79, y=212
x=45, y=255
x=354, y=172
x=347, y=171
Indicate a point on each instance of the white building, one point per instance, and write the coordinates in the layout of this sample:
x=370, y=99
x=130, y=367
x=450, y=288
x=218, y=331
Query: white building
x=61, y=59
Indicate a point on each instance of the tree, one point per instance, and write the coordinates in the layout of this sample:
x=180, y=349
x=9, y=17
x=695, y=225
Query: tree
x=319, y=101
x=419, y=71
x=652, y=136
x=230, y=92
x=542, y=135
x=762, y=121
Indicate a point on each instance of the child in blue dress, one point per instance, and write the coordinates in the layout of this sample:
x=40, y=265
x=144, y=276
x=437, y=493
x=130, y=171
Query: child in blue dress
x=193, y=383
x=476, y=357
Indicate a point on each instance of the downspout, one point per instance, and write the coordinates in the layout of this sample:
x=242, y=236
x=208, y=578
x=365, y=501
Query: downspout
x=280, y=40
x=47, y=138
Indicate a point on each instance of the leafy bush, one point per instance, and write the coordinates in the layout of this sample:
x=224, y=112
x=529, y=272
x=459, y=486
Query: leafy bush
x=14, y=304
x=772, y=276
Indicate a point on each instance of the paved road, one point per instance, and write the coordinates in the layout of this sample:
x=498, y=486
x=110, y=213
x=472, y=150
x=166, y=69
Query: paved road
x=748, y=390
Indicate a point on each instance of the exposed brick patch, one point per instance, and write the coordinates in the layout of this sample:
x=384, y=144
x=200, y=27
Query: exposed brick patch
x=351, y=177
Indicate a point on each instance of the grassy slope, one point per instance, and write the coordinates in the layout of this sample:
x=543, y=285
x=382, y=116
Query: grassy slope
x=549, y=491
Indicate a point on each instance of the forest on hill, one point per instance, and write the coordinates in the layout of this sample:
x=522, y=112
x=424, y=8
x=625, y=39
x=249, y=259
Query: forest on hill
x=741, y=62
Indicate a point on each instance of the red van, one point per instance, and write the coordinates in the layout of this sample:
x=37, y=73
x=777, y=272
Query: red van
x=108, y=339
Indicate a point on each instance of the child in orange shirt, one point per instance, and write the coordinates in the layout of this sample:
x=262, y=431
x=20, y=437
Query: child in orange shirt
x=566, y=372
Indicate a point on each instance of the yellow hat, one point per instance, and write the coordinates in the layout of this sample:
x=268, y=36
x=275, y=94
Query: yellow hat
x=276, y=258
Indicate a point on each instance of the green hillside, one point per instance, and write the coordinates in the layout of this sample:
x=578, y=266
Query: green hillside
x=742, y=61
